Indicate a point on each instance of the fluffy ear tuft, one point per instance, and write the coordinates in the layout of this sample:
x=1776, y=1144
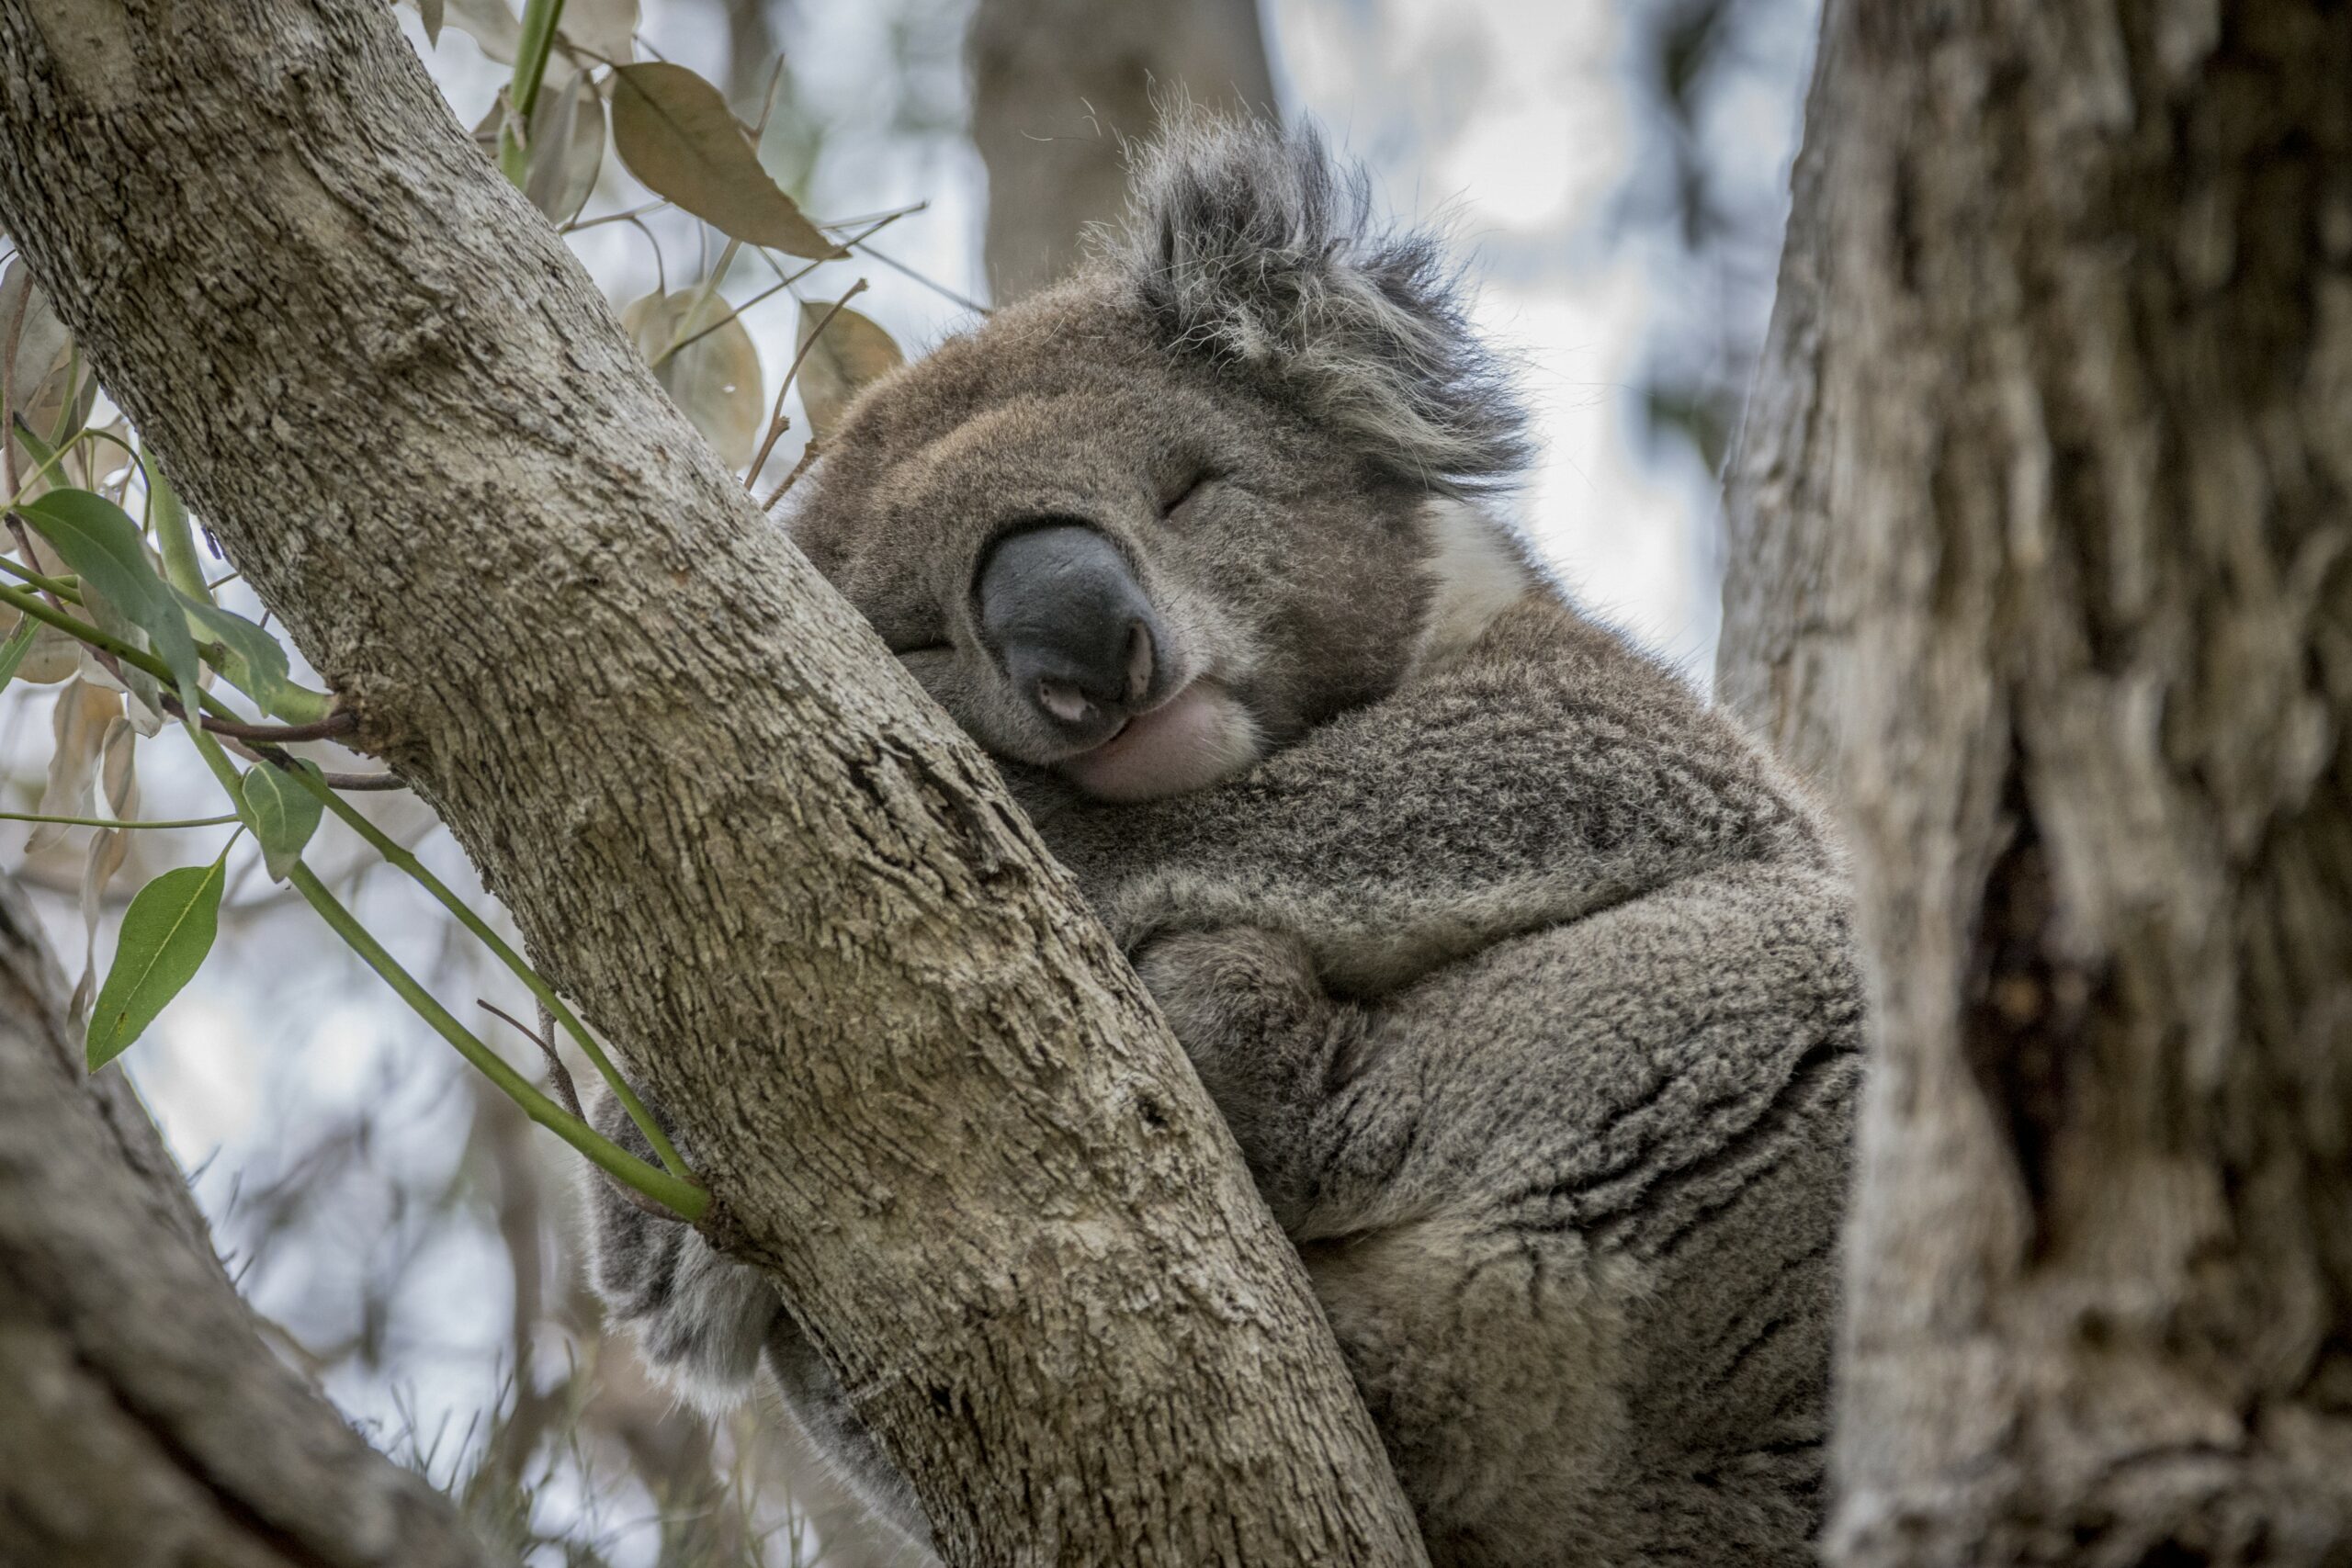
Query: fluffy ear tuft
x=1255, y=246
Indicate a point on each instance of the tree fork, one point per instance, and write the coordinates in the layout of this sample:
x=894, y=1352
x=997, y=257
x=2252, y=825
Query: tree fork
x=935, y=1104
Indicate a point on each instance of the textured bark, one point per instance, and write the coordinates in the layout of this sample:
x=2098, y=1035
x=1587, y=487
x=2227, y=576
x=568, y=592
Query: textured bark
x=144, y=1422
x=2042, y=559
x=934, y=1104
x=1058, y=89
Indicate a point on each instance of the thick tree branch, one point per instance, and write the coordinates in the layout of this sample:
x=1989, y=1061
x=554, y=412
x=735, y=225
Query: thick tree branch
x=934, y=1103
x=146, y=1422
x=2041, y=561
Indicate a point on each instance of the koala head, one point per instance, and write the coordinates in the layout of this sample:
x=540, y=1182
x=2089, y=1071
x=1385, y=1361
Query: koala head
x=1150, y=525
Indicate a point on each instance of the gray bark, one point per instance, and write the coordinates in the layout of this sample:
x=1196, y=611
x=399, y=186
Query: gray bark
x=2040, y=562
x=1058, y=89
x=144, y=1421
x=934, y=1105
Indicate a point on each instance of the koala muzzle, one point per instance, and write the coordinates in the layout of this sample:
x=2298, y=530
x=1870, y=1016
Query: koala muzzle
x=1073, y=628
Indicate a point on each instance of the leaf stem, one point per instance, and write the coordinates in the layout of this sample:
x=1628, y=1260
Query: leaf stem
x=539, y=19
x=101, y=822
x=66, y=588
x=399, y=856
x=667, y=1187
x=218, y=718
x=689, y=1200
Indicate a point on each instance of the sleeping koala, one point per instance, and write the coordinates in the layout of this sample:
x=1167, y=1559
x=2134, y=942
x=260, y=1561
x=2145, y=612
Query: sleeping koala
x=1521, y=977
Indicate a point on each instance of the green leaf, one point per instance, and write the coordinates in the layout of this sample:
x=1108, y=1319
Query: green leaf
x=99, y=541
x=165, y=934
x=19, y=643
x=282, y=814
x=676, y=133
x=252, y=660
x=837, y=366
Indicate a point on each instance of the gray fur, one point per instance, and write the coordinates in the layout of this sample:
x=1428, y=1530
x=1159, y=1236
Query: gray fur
x=1521, y=975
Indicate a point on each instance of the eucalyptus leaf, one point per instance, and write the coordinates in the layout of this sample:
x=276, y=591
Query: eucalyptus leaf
x=676, y=133
x=567, y=143
x=19, y=643
x=103, y=546
x=282, y=814
x=146, y=692
x=165, y=934
x=118, y=787
x=491, y=24
x=852, y=353
x=77, y=727
x=55, y=655
x=42, y=379
x=430, y=10
x=715, y=379
x=605, y=29
x=252, y=660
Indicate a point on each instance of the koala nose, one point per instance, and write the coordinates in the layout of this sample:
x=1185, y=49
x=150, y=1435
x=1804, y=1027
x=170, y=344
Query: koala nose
x=1073, y=627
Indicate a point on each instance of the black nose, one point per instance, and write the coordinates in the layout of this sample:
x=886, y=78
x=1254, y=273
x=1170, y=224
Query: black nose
x=1072, y=626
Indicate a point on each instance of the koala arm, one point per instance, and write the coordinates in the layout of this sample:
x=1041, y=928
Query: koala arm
x=700, y=1319
x=1279, y=1056
x=703, y=1323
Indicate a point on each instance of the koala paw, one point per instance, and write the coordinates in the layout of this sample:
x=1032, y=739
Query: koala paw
x=1231, y=985
x=699, y=1318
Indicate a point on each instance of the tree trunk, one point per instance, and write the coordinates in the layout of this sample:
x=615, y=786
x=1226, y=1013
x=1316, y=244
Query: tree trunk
x=2042, y=559
x=1059, y=87
x=144, y=1423
x=934, y=1104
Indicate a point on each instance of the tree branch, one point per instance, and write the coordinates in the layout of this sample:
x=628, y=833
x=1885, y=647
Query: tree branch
x=938, y=1109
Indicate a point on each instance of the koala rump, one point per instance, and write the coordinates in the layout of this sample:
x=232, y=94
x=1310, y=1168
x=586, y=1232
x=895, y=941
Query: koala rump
x=1521, y=977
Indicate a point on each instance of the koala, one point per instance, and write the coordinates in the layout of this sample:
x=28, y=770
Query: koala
x=1522, y=977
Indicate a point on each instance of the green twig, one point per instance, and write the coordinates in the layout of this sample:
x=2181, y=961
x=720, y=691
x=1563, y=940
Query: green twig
x=66, y=588
x=101, y=822
x=539, y=19
x=393, y=851
x=676, y=1192
x=687, y=1200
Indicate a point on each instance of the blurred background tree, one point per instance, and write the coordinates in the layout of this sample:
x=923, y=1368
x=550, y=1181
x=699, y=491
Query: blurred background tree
x=1614, y=175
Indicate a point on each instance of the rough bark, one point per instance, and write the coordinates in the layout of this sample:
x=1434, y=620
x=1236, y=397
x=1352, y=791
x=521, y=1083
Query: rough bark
x=1058, y=89
x=144, y=1422
x=2042, y=557
x=934, y=1105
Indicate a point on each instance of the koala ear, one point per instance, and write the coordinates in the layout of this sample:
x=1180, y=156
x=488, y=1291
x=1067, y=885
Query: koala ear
x=1255, y=246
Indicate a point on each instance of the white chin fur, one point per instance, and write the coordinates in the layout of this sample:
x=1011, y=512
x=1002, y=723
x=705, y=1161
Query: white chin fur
x=1476, y=573
x=1198, y=737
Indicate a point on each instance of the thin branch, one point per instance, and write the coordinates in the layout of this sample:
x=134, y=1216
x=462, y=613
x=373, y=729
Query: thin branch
x=808, y=455
x=101, y=822
x=566, y=1094
x=631, y=216
x=892, y=216
x=776, y=420
x=342, y=721
x=941, y=289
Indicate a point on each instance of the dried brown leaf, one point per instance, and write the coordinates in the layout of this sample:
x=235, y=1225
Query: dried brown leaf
x=118, y=784
x=78, y=726
x=491, y=24
x=604, y=28
x=715, y=379
x=853, y=353
x=567, y=143
x=676, y=133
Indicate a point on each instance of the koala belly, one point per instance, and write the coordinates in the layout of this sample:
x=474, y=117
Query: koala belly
x=1572, y=1206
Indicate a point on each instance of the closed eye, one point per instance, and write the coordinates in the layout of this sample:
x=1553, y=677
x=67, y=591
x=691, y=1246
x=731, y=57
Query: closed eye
x=924, y=648
x=1174, y=503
